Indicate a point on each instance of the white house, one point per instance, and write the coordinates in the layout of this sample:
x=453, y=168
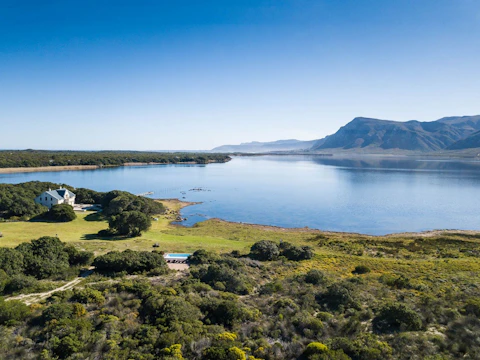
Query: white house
x=55, y=197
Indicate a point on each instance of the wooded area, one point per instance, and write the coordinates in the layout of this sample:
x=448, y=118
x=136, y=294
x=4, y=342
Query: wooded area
x=38, y=158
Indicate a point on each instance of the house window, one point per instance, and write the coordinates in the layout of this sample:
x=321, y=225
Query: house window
x=51, y=199
x=45, y=198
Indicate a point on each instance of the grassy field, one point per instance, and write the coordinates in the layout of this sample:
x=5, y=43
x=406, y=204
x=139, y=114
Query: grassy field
x=83, y=233
x=432, y=255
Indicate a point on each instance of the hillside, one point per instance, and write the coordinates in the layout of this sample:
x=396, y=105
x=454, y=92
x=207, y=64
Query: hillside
x=470, y=142
x=262, y=147
x=367, y=133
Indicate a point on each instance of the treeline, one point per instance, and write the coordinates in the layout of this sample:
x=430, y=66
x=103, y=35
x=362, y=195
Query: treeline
x=237, y=307
x=17, y=201
x=37, y=158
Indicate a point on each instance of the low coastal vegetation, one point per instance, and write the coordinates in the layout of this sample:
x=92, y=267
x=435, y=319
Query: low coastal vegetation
x=42, y=158
x=251, y=292
x=235, y=306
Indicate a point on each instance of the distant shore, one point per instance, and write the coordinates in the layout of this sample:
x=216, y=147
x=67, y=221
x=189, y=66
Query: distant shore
x=47, y=168
x=90, y=167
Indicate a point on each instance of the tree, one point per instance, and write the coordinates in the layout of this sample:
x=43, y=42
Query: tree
x=130, y=223
x=264, y=250
x=61, y=213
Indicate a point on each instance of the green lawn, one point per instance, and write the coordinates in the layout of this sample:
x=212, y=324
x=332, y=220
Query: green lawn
x=433, y=256
x=83, y=232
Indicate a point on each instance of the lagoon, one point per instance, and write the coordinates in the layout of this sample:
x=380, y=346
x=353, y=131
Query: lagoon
x=371, y=195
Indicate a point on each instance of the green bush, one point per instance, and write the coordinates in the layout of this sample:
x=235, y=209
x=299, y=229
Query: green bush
x=315, y=277
x=224, y=278
x=295, y=253
x=361, y=269
x=264, y=250
x=202, y=257
x=61, y=213
x=88, y=296
x=11, y=261
x=396, y=317
x=78, y=258
x=12, y=311
x=129, y=261
x=315, y=348
x=19, y=282
x=338, y=295
x=473, y=307
x=44, y=257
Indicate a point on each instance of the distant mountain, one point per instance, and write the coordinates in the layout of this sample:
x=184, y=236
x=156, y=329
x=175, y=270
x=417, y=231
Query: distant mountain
x=374, y=134
x=472, y=141
x=262, y=147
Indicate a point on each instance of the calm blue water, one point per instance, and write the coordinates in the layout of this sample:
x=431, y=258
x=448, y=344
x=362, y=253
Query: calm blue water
x=366, y=195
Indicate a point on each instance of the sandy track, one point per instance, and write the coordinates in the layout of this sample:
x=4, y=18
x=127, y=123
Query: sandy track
x=36, y=297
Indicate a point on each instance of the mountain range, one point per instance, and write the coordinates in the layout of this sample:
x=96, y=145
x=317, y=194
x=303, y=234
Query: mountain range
x=261, y=147
x=373, y=135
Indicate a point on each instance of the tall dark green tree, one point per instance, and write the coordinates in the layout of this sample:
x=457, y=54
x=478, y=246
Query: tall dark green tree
x=130, y=223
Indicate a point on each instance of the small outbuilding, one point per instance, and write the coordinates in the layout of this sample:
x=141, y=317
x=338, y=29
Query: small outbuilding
x=56, y=197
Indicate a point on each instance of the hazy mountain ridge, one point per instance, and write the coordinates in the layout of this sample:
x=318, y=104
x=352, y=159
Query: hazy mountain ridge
x=410, y=135
x=470, y=142
x=369, y=135
x=257, y=147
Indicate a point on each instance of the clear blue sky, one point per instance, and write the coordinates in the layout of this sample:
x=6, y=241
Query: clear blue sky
x=196, y=74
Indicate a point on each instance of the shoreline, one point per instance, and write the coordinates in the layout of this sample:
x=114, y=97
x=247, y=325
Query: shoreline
x=13, y=170
x=274, y=228
x=48, y=169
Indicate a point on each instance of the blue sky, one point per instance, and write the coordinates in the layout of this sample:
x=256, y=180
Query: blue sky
x=197, y=74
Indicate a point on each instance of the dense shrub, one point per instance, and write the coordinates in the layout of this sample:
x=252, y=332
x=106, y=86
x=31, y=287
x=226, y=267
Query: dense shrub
x=19, y=282
x=44, y=257
x=88, y=296
x=295, y=253
x=338, y=295
x=129, y=261
x=226, y=312
x=116, y=202
x=315, y=348
x=87, y=196
x=361, y=269
x=264, y=250
x=202, y=257
x=12, y=311
x=315, y=277
x=11, y=261
x=76, y=257
x=396, y=317
x=62, y=311
x=224, y=278
x=473, y=307
x=61, y=213
x=169, y=310
x=364, y=347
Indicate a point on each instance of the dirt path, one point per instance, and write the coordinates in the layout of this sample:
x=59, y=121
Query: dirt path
x=36, y=297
